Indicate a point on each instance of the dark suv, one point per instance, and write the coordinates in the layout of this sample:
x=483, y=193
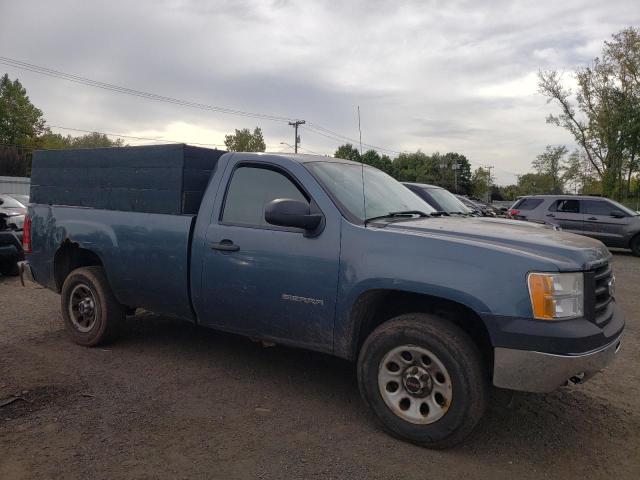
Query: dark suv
x=610, y=222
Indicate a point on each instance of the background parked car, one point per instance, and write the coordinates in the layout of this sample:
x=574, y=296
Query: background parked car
x=439, y=198
x=13, y=211
x=23, y=199
x=606, y=220
x=479, y=207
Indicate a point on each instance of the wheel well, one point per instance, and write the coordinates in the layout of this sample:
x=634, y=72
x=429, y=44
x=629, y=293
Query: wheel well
x=69, y=257
x=375, y=307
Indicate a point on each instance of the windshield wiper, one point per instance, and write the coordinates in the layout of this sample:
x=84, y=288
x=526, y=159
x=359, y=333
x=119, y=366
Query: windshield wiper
x=402, y=213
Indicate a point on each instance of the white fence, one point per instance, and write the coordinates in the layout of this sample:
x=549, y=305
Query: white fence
x=20, y=185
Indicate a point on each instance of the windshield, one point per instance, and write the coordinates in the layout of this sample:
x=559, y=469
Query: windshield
x=383, y=193
x=626, y=210
x=447, y=200
x=8, y=202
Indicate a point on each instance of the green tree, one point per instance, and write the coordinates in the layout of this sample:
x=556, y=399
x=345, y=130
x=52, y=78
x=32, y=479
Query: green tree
x=453, y=172
x=245, y=141
x=579, y=175
x=95, y=140
x=414, y=167
x=535, y=184
x=509, y=192
x=551, y=163
x=20, y=121
x=604, y=114
x=54, y=141
x=347, y=152
x=381, y=162
x=480, y=183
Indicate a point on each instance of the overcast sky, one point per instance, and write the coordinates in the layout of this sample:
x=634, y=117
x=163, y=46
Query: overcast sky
x=430, y=75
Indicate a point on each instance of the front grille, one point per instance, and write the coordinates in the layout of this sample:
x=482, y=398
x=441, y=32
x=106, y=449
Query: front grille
x=598, y=298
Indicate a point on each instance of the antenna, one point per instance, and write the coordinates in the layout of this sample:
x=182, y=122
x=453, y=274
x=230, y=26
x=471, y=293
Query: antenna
x=360, y=130
x=364, y=197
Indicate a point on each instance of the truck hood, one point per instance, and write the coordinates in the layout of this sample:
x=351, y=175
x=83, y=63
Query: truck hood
x=566, y=250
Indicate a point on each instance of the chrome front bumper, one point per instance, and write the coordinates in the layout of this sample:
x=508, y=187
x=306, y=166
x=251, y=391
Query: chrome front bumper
x=25, y=272
x=530, y=371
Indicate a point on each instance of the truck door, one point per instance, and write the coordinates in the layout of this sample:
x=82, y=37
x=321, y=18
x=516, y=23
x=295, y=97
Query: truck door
x=604, y=221
x=566, y=213
x=264, y=280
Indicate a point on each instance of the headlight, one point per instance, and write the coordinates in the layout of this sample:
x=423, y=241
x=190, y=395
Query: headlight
x=556, y=295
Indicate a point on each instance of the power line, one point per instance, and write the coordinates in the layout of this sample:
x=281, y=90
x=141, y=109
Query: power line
x=118, y=135
x=158, y=139
x=310, y=126
x=136, y=93
x=325, y=132
x=316, y=128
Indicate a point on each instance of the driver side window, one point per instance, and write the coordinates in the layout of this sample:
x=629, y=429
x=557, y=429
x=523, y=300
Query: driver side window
x=566, y=206
x=250, y=189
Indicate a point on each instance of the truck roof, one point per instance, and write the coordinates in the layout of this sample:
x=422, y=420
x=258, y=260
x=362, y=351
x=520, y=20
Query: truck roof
x=301, y=157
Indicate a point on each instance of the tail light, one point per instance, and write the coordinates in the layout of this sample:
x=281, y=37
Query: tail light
x=26, y=234
x=513, y=212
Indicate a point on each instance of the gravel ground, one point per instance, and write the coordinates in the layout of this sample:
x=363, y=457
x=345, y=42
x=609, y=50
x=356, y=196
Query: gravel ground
x=170, y=400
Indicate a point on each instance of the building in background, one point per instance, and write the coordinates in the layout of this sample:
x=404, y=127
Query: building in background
x=19, y=185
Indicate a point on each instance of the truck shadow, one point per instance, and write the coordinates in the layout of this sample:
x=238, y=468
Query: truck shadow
x=524, y=427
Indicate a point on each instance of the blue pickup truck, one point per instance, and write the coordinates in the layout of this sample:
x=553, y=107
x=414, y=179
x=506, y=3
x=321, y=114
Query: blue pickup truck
x=328, y=255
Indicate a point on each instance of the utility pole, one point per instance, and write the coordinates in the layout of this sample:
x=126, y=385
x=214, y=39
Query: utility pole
x=295, y=125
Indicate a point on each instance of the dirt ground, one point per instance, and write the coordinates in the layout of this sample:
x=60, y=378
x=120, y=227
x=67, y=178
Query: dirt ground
x=170, y=400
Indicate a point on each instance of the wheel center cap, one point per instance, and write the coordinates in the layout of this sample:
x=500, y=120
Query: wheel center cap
x=85, y=306
x=417, y=381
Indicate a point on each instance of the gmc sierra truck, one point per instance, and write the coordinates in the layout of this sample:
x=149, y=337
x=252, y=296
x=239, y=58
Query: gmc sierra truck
x=328, y=255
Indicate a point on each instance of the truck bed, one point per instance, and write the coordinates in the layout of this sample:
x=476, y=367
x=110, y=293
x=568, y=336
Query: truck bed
x=145, y=255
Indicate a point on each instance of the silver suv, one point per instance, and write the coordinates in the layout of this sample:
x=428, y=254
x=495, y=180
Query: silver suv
x=610, y=222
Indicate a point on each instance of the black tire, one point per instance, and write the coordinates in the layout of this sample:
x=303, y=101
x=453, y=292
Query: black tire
x=635, y=246
x=469, y=378
x=109, y=315
x=9, y=269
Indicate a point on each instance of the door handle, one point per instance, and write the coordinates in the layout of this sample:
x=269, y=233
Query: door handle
x=225, y=246
x=550, y=215
x=592, y=218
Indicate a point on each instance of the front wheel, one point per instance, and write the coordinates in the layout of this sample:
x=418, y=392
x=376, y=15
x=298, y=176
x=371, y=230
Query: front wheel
x=424, y=379
x=91, y=313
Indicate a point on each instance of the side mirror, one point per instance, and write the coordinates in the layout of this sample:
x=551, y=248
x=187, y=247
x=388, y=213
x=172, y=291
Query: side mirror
x=617, y=214
x=285, y=212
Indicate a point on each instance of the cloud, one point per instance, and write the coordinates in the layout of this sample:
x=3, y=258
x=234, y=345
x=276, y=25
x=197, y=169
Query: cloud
x=436, y=75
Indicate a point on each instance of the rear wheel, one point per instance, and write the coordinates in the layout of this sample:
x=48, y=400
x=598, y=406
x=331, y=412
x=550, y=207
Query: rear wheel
x=91, y=313
x=424, y=379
